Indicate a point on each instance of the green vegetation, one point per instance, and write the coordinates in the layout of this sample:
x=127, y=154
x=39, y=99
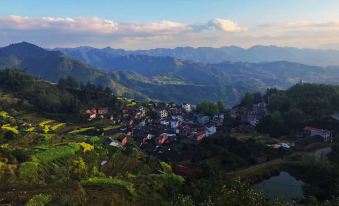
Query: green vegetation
x=209, y=108
x=301, y=105
x=8, y=128
x=39, y=200
x=29, y=172
x=109, y=182
x=69, y=164
x=112, y=127
x=68, y=97
x=56, y=152
x=4, y=115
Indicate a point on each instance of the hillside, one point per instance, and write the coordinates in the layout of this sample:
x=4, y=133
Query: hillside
x=53, y=66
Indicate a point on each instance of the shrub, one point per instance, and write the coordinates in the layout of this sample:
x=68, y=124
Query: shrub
x=4, y=115
x=86, y=147
x=2, y=168
x=8, y=128
x=39, y=200
x=166, y=168
x=29, y=172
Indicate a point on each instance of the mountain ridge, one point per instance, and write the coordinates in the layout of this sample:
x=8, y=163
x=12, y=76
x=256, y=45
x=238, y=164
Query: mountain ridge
x=164, y=78
x=207, y=55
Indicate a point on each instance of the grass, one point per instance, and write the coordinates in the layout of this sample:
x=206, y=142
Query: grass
x=31, y=129
x=260, y=171
x=116, y=135
x=44, y=123
x=262, y=139
x=47, y=137
x=56, y=152
x=80, y=130
x=109, y=182
x=112, y=127
x=57, y=126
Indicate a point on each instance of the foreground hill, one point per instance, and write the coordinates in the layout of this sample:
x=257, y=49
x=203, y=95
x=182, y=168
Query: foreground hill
x=57, y=161
x=209, y=55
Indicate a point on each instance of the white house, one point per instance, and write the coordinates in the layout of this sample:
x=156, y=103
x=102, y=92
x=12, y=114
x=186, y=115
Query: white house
x=324, y=134
x=203, y=120
x=163, y=113
x=174, y=124
x=164, y=122
x=187, y=107
x=210, y=130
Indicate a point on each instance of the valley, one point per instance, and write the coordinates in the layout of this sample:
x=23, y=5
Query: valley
x=113, y=150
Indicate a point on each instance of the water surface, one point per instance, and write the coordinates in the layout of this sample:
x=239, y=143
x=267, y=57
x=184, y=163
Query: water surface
x=284, y=186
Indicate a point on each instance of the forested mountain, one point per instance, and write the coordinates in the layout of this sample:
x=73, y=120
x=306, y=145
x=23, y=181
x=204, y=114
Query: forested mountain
x=53, y=65
x=209, y=55
x=170, y=79
x=163, y=78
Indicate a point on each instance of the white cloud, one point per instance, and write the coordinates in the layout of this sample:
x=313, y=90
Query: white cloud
x=81, y=24
x=225, y=25
x=94, y=31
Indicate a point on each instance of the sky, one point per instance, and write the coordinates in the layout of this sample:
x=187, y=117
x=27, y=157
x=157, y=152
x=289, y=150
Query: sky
x=145, y=24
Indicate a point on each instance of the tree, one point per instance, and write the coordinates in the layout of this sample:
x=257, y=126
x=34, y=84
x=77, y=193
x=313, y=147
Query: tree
x=221, y=106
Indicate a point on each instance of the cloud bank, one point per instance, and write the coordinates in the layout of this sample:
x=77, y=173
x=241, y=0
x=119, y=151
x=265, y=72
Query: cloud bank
x=94, y=31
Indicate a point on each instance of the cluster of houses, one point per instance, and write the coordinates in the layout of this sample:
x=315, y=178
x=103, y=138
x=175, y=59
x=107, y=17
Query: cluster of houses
x=159, y=127
x=94, y=113
x=171, y=125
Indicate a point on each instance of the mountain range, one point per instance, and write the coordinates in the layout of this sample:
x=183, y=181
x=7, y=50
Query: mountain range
x=159, y=77
x=208, y=55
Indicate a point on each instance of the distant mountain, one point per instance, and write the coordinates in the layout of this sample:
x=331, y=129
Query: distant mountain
x=207, y=55
x=54, y=65
x=170, y=79
x=162, y=78
x=192, y=82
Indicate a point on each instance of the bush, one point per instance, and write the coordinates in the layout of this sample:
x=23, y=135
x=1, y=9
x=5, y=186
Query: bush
x=39, y=200
x=29, y=172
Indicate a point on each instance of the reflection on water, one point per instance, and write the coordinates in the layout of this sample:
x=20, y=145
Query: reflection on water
x=283, y=186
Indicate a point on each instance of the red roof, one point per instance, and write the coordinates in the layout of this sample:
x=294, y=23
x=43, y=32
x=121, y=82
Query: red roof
x=91, y=111
x=186, y=127
x=182, y=170
x=312, y=129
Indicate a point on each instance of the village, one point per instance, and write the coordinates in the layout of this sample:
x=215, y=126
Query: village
x=165, y=129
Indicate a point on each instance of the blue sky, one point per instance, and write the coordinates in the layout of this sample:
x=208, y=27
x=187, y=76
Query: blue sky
x=254, y=20
x=189, y=11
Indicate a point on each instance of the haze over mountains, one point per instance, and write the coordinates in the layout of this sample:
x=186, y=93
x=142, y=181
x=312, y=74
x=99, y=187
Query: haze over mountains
x=207, y=55
x=142, y=76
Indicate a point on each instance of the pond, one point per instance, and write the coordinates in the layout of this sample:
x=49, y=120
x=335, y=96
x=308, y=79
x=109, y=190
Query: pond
x=284, y=186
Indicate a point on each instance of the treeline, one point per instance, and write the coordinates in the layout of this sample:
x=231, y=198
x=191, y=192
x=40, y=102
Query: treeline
x=210, y=108
x=299, y=106
x=66, y=97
